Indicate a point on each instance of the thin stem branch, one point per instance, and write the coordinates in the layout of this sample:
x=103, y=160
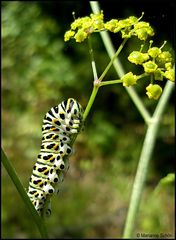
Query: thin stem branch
x=12, y=173
x=143, y=75
x=110, y=82
x=112, y=59
x=92, y=60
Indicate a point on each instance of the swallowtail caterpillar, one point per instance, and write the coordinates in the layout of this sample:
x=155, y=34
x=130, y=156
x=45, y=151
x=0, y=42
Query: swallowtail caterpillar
x=60, y=125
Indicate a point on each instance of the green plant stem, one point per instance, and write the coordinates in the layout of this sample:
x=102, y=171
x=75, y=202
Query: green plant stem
x=148, y=146
x=13, y=175
x=112, y=59
x=118, y=80
x=92, y=60
x=110, y=82
x=88, y=108
x=90, y=103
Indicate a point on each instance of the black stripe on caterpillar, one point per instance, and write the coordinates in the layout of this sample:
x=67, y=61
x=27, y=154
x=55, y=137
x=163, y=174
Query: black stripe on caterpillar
x=60, y=125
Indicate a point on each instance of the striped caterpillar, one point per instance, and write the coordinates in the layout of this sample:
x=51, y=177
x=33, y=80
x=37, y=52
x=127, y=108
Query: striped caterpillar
x=60, y=125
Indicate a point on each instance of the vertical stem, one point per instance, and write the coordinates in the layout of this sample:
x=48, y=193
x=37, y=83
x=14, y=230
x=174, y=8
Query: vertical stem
x=140, y=178
x=148, y=146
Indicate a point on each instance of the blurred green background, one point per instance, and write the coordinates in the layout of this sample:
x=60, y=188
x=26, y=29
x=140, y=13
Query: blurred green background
x=39, y=70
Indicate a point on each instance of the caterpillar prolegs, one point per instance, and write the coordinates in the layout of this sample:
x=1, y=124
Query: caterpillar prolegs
x=60, y=125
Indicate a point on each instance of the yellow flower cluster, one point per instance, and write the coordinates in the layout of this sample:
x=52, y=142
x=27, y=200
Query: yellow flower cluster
x=155, y=61
x=81, y=28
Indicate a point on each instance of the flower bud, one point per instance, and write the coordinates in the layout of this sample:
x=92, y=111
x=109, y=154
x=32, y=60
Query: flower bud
x=80, y=36
x=168, y=65
x=153, y=91
x=111, y=25
x=138, y=57
x=129, y=79
x=68, y=35
x=169, y=74
x=158, y=74
x=126, y=34
x=150, y=67
x=154, y=52
x=76, y=24
x=143, y=30
x=164, y=57
x=97, y=20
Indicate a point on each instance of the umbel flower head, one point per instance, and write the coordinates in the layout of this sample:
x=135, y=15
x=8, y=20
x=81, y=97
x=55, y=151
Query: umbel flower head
x=130, y=27
x=82, y=28
x=157, y=63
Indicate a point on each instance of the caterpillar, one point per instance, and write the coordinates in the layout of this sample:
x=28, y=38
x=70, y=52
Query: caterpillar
x=60, y=125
